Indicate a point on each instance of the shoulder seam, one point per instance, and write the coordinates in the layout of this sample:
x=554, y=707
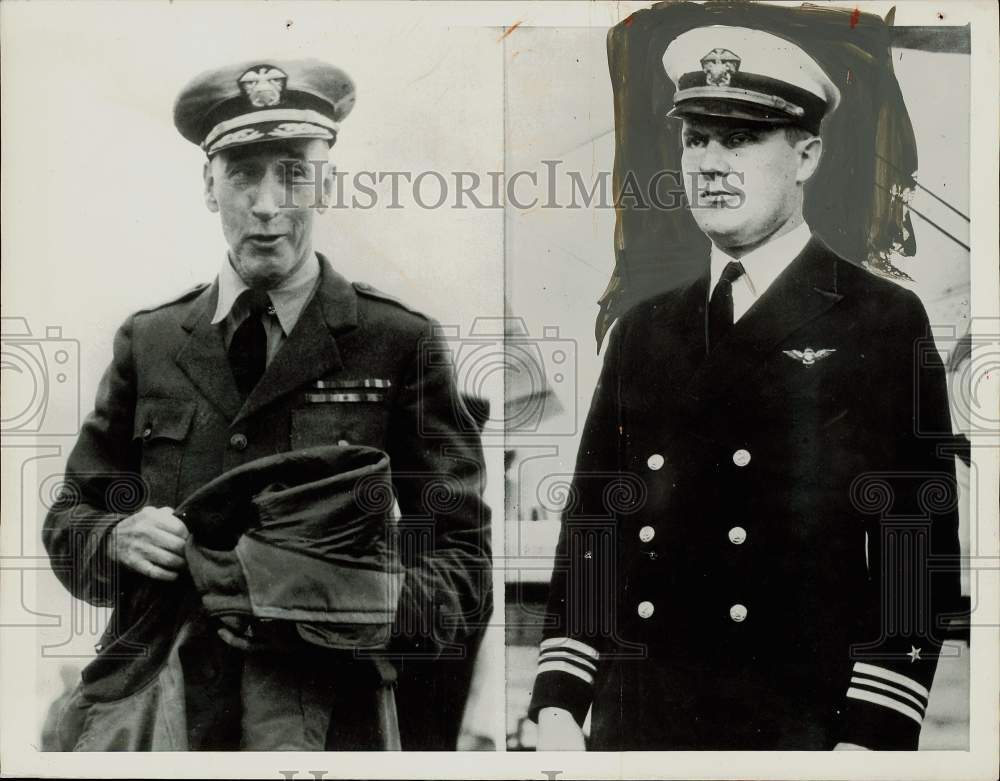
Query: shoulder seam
x=186, y=295
x=367, y=290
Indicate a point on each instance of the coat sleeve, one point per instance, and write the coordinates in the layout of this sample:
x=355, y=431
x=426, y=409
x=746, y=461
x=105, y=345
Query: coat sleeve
x=579, y=617
x=913, y=545
x=444, y=530
x=102, y=485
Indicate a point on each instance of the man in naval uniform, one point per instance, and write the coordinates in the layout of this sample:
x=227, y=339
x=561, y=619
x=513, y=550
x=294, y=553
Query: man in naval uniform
x=277, y=354
x=768, y=565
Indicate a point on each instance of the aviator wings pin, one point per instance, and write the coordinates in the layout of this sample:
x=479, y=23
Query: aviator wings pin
x=809, y=356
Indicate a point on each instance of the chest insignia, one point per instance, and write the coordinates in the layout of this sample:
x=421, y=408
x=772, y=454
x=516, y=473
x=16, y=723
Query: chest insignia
x=809, y=356
x=349, y=390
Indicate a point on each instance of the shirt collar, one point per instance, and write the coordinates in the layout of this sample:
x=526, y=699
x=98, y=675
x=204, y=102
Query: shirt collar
x=288, y=299
x=763, y=265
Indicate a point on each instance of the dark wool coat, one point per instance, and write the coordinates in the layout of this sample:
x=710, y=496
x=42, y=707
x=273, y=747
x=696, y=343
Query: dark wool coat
x=761, y=539
x=359, y=368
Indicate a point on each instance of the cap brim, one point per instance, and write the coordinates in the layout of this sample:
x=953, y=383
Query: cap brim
x=727, y=109
x=269, y=132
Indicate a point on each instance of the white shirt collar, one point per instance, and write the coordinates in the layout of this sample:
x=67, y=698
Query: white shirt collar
x=288, y=299
x=763, y=265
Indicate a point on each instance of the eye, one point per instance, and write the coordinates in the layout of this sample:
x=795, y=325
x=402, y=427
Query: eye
x=693, y=141
x=241, y=172
x=298, y=171
x=741, y=138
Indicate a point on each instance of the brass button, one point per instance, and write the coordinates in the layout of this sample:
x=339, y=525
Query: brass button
x=737, y=535
x=646, y=609
x=738, y=612
x=343, y=442
x=147, y=432
x=646, y=533
x=741, y=457
x=238, y=441
x=655, y=462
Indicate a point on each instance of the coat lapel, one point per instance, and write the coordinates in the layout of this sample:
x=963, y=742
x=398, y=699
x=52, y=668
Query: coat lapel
x=203, y=357
x=677, y=329
x=802, y=292
x=661, y=351
x=310, y=351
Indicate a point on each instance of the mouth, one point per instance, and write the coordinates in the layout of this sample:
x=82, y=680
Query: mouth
x=716, y=197
x=265, y=239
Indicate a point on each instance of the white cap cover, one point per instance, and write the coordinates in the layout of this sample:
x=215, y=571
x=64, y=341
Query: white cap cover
x=750, y=74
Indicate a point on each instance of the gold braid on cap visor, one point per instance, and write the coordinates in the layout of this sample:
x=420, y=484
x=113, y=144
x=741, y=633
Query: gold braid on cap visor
x=298, y=122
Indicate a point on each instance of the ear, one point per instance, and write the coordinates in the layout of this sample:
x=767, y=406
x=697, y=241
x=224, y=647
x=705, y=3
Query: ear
x=809, y=151
x=209, y=179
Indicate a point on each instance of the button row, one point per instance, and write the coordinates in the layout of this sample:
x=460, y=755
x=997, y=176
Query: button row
x=737, y=612
x=737, y=535
x=656, y=461
x=239, y=441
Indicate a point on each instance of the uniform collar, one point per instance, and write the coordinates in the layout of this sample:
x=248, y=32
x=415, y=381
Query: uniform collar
x=288, y=299
x=763, y=265
x=310, y=352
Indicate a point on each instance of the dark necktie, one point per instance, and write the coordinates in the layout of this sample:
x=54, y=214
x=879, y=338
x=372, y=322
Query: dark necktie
x=720, y=307
x=248, y=348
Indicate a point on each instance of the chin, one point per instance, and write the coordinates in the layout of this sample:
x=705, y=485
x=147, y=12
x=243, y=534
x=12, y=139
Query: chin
x=722, y=232
x=263, y=271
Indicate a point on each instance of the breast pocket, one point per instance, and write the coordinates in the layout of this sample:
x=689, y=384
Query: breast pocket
x=339, y=423
x=161, y=429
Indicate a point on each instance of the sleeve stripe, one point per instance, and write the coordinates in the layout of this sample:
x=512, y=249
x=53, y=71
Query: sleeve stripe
x=898, y=693
x=569, y=644
x=556, y=666
x=583, y=663
x=568, y=653
x=892, y=677
x=888, y=702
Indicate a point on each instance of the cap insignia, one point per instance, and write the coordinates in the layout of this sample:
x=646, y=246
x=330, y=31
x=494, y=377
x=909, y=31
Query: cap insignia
x=263, y=85
x=719, y=66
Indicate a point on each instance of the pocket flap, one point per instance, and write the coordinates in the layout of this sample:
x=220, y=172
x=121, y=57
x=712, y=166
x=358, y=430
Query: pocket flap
x=163, y=418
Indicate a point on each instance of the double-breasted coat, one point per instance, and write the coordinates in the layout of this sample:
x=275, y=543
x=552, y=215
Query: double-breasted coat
x=761, y=539
x=359, y=368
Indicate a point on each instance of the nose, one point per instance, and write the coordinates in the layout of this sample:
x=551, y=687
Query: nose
x=714, y=159
x=267, y=197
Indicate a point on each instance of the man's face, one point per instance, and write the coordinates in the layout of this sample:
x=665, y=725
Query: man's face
x=724, y=158
x=267, y=205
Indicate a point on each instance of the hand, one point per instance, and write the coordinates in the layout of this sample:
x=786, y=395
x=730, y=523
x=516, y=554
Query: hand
x=151, y=542
x=236, y=632
x=558, y=731
x=850, y=747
